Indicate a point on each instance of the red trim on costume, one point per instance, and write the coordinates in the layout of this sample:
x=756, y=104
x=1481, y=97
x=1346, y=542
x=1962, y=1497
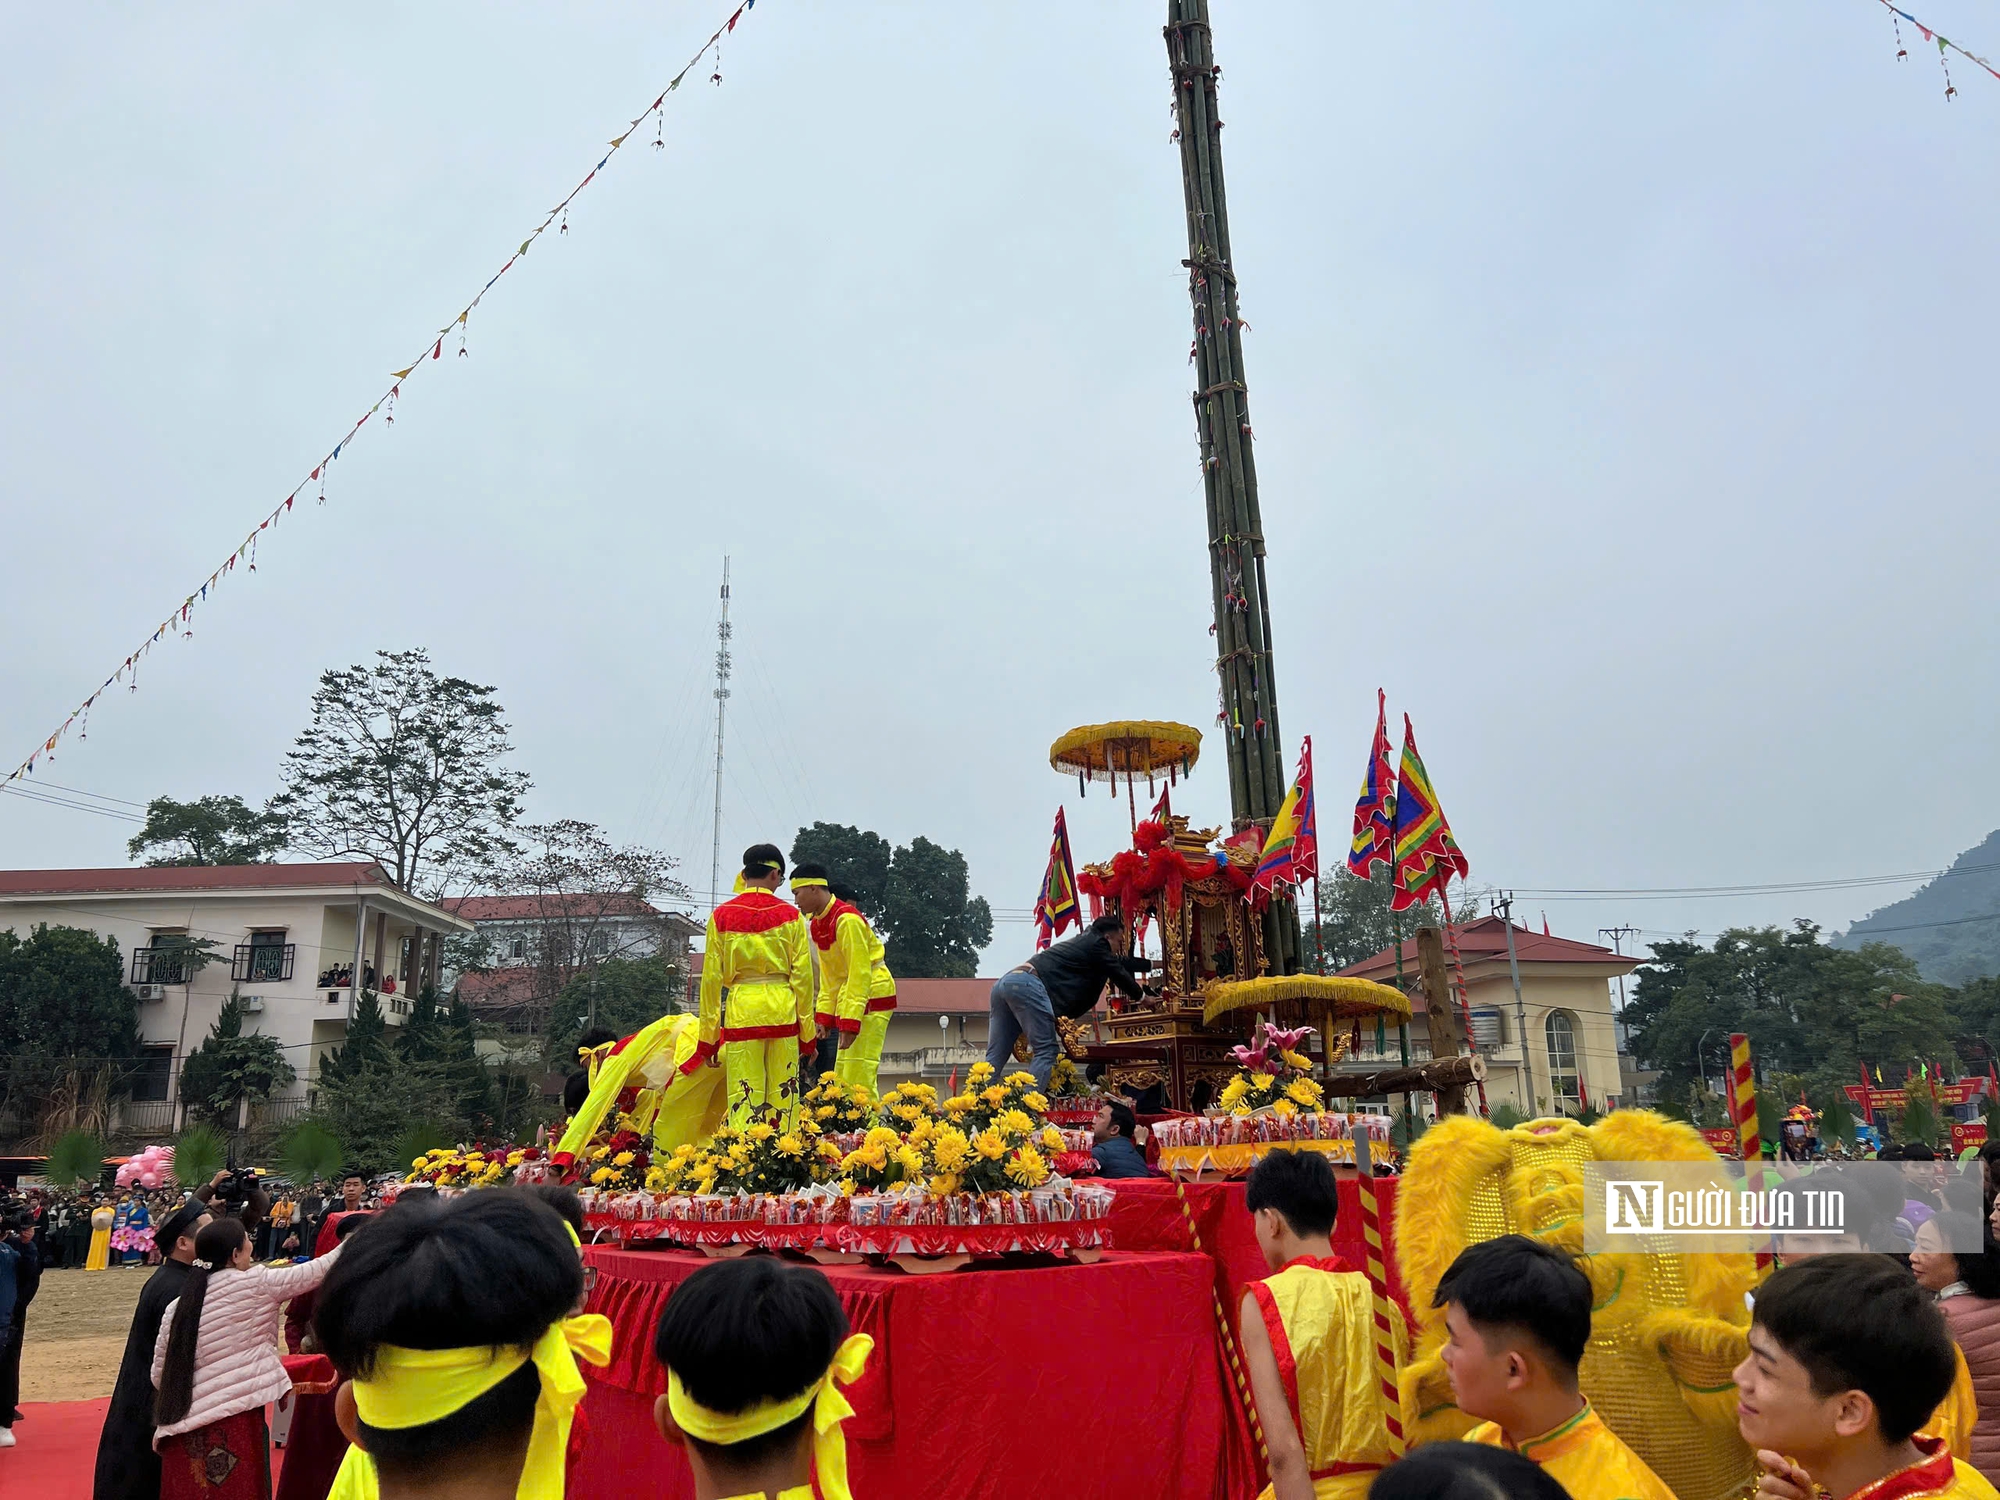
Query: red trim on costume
x=1281, y=1349
x=849, y=1024
x=758, y=1033
x=1930, y=1477
x=622, y=1041
x=882, y=1002
x=754, y=911
x=1335, y=1470
x=822, y=926
x=1331, y=1262
x=702, y=1053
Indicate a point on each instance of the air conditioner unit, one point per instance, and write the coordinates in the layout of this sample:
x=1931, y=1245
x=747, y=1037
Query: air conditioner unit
x=253, y=1003
x=152, y=991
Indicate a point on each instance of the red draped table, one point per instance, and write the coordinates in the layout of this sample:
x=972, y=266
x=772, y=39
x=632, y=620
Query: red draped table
x=1148, y=1215
x=985, y=1384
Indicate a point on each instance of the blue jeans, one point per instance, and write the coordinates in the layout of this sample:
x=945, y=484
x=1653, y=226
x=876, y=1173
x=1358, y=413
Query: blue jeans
x=1020, y=1004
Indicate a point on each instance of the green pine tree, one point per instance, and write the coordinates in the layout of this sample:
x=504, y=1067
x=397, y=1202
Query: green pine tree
x=366, y=1048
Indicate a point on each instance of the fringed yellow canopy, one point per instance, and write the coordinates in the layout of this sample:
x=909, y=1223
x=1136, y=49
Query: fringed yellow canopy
x=1132, y=747
x=1344, y=999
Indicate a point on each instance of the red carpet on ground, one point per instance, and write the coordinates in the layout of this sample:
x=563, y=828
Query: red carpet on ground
x=54, y=1456
x=55, y=1450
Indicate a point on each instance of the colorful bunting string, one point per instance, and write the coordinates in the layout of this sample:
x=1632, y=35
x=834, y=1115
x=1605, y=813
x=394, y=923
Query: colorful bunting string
x=1944, y=44
x=433, y=349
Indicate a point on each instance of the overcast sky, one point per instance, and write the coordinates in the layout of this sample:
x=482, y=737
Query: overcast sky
x=1622, y=380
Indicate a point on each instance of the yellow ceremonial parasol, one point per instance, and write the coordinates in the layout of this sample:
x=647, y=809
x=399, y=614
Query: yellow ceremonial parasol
x=1130, y=748
x=1324, y=997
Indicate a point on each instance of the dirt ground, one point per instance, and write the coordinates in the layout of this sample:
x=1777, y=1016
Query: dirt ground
x=76, y=1333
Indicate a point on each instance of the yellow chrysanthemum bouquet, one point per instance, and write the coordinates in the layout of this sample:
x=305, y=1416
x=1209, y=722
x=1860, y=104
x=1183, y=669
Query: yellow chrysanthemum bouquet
x=766, y=1155
x=994, y=1137
x=471, y=1166
x=837, y=1107
x=1275, y=1075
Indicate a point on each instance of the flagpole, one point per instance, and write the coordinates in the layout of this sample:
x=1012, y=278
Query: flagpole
x=1402, y=1027
x=1465, y=999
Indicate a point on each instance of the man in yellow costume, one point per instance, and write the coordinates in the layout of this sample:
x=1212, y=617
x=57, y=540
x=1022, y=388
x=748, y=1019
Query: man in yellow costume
x=1309, y=1340
x=1517, y=1320
x=857, y=993
x=1848, y=1356
x=756, y=992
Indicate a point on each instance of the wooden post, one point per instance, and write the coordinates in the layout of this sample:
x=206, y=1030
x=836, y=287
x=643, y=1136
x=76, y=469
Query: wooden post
x=1249, y=696
x=1447, y=1034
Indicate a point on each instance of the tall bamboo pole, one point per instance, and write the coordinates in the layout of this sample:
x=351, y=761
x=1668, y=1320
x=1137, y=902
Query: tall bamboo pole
x=1248, y=689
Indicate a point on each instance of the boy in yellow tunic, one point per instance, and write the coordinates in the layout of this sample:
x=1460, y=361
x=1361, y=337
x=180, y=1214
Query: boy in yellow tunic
x=857, y=994
x=1309, y=1340
x=755, y=1352
x=1848, y=1356
x=759, y=954
x=1517, y=1318
x=450, y=1323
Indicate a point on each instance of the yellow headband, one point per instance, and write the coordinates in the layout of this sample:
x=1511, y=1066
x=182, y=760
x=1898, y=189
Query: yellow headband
x=413, y=1387
x=800, y=882
x=570, y=1230
x=829, y=1409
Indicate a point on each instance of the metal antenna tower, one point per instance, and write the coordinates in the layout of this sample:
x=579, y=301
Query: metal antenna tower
x=721, y=713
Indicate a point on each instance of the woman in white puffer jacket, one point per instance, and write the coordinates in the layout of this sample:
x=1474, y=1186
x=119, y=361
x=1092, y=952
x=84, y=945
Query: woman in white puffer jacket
x=216, y=1364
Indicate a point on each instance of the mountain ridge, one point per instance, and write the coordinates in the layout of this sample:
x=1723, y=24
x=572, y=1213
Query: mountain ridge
x=1950, y=925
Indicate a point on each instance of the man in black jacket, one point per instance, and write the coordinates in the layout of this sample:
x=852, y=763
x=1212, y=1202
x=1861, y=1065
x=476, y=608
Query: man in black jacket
x=1061, y=981
x=127, y=1466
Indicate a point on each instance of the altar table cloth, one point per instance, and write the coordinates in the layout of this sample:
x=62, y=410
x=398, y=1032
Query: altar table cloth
x=1072, y=1381
x=1147, y=1215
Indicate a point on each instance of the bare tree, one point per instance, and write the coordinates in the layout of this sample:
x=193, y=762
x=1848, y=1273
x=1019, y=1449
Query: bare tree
x=404, y=767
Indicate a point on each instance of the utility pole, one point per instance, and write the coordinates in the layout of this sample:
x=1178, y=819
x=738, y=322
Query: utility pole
x=1248, y=695
x=1618, y=936
x=722, y=665
x=1504, y=907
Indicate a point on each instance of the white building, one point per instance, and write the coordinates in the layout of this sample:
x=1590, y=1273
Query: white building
x=287, y=937
x=1564, y=1009
x=566, y=930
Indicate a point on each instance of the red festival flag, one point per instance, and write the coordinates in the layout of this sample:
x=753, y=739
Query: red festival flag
x=1375, y=809
x=1055, y=907
x=1291, y=851
x=1427, y=856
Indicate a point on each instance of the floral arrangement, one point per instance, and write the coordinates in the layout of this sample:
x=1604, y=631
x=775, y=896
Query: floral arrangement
x=1066, y=1080
x=617, y=1162
x=837, y=1107
x=768, y=1154
x=984, y=1100
x=471, y=1166
x=1275, y=1076
x=885, y=1158
x=908, y=1104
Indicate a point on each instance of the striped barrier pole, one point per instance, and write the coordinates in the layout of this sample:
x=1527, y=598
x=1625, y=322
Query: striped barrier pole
x=1389, y=1378
x=1228, y=1338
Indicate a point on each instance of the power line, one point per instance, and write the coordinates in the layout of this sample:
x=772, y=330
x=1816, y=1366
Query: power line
x=74, y=806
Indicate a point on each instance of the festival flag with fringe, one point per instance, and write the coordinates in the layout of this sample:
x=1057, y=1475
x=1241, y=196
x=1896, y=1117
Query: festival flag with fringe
x=1055, y=907
x=1427, y=856
x=1291, y=850
x=1375, y=809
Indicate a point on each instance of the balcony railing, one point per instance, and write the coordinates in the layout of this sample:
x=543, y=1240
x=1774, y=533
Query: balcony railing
x=263, y=963
x=160, y=966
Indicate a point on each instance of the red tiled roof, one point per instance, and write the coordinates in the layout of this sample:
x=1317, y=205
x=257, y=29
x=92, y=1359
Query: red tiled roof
x=943, y=997
x=497, y=987
x=535, y=908
x=176, y=878
x=1487, y=939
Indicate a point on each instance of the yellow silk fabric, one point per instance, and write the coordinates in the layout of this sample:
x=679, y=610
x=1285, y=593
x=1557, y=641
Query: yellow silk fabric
x=1328, y=1322
x=1958, y=1412
x=414, y=1387
x=1587, y=1458
x=851, y=972
x=829, y=1409
x=675, y=1107
x=767, y=976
